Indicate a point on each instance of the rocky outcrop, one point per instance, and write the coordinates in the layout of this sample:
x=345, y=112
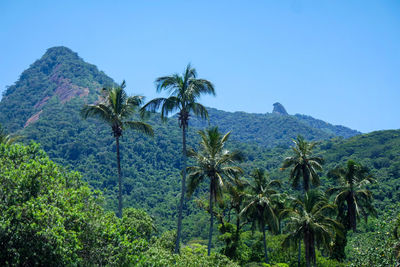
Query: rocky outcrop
x=65, y=89
x=32, y=119
x=279, y=109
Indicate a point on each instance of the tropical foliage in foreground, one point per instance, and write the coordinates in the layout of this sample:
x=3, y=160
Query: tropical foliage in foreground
x=51, y=218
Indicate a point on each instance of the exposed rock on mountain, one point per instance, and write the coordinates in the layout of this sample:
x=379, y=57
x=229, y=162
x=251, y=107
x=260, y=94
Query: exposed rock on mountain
x=279, y=109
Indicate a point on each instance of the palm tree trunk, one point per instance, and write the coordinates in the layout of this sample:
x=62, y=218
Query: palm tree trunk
x=211, y=220
x=306, y=179
x=299, y=254
x=352, y=212
x=119, y=179
x=237, y=226
x=237, y=234
x=307, y=249
x=312, y=249
x=309, y=244
x=183, y=189
x=265, y=242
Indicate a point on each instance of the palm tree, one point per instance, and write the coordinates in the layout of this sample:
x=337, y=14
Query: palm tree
x=213, y=161
x=352, y=198
x=236, y=192
x=304, y=164
x=281, y=202
x=260, y=203
x=115, y=109
x=184, y=93
x=309, y=220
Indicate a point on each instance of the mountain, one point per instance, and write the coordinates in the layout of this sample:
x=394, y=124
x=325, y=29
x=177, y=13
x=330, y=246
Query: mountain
x=44, y=105
x=272, y=129
x=337, y=130
x=60, y=75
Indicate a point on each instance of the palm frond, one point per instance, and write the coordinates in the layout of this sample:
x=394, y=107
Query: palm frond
x=135, y=101
x=99, y=111
x=198, y=110
x=195, y=177
x=140, y=126
x=168, y=83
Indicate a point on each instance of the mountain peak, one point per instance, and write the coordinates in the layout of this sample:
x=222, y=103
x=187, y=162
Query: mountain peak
x=61, y=51
x=279, y=109
x=59, y=75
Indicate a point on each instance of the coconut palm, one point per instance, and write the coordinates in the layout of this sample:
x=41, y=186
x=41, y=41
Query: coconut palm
x=236, y=192
x=352, y=197
x=260, y=203
x=304, y=164
x=215, y=162
x=309, y=220
x=184, y=91
x=115, y=109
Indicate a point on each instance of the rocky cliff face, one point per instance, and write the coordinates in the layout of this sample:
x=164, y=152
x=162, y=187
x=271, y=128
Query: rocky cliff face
x=279, y=109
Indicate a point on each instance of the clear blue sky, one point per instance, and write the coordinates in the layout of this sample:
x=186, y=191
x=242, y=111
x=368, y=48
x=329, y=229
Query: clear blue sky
x=334, y=60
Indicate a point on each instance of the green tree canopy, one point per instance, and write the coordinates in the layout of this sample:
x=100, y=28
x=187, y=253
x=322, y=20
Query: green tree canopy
x=49, y=217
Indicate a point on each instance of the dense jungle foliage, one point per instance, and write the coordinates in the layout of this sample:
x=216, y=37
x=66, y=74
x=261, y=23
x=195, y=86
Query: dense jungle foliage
x=57, y=86
x=271, y=129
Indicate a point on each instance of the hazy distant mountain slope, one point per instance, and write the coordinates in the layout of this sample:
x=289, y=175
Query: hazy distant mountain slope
x=272, y=129
x=337, y=130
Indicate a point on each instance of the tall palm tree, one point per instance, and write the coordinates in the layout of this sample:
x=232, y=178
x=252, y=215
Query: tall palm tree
x=304, y=164
x=309, y=219
x=260, y=203
x=215, y=162
x=115, y=109
x=352, y=198
x=184, y=91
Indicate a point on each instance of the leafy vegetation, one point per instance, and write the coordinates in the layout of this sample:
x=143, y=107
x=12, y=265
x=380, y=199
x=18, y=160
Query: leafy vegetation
x=50, y=217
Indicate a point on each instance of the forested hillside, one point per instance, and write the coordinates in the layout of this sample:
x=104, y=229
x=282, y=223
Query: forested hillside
x=60, y=74
x=44, y=106
x=272, y=129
